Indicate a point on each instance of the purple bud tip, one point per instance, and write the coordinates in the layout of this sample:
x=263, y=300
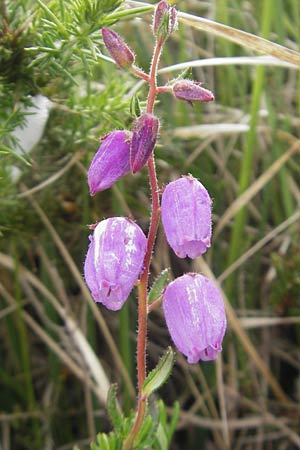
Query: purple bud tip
x=144, y=138
x=164, y=20
x=195, y=317
x=118, y=49
x=192, y=91
x=110, y=162
x=114, y=260
x=186, y=217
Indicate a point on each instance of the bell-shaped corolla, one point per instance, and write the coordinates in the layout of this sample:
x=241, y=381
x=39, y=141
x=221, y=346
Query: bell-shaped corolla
x=186, y=216
x=195, y=316
x=114, y=260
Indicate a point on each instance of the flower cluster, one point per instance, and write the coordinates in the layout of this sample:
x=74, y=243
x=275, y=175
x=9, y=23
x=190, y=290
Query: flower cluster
x=192, y=304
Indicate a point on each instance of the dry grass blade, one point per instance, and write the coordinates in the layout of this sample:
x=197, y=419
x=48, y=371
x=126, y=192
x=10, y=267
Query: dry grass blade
x=231, y=61
x=53, y=178
x=246, y=196
x=214, y=130
x=63, y=356
x=222, y=401
x=253, y=421
x=78, y=339
x=256, y=322
x=256, y=247
x=201, y=266
x=240, y=37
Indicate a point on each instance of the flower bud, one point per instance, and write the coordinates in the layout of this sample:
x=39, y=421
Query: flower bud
x=164, y=20
x=114, y=260
x=191, y=91
x=186, y=217
x=118, y=49
x=195, y=317
x=110, y=162
x=143, y=140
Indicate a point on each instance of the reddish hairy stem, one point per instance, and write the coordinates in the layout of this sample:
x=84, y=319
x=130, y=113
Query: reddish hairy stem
x=143, y=307
x=153, y=72
x=142, y=329
x=143, y=282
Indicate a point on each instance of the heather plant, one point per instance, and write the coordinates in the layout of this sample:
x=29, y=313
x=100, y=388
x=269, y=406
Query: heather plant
x=60, y=346
x=119, y=254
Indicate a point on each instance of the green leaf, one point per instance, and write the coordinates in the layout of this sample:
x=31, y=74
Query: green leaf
x=144, y=432
x=147, y=434
x=160, y=374
x=4, y=150
x=102, y=442
x=162, y=437
x=174, y=420
x=135, y=109
x=113, y=409
x=55, y=19
x=158, y=286
x=187, y=74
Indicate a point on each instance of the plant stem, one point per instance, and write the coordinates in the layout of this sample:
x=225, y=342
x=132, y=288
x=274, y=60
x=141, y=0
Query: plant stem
x=143, y=282
x=153, y=75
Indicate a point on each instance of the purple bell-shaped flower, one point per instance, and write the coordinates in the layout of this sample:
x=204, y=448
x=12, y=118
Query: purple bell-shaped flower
x=186, y=217
x=110, y=162
x=195, y=316
x=114, y=260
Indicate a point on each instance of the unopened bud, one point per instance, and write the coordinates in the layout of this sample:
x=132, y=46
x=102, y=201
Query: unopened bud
x=192, y=91
x=164, y=20
x=144, y=137
x=118, y=49
x=110, y=162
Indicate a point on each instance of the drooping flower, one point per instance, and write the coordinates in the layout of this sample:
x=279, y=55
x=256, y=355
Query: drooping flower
x=114, y=260
x=186, y=217
x=110, y=162
x=195, y=316
x=118, y=49
x=191, y=91
x=164, y=20
x=144, y=138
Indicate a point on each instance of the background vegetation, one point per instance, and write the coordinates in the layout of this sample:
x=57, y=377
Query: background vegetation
x=59, y=351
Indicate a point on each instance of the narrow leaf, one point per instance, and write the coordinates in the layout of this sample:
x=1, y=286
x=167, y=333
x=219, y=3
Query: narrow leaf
x=113, y=409
x=174, y=420
x=135, y=109
x=158, y=286
x=160, y=374
x=161, y=437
